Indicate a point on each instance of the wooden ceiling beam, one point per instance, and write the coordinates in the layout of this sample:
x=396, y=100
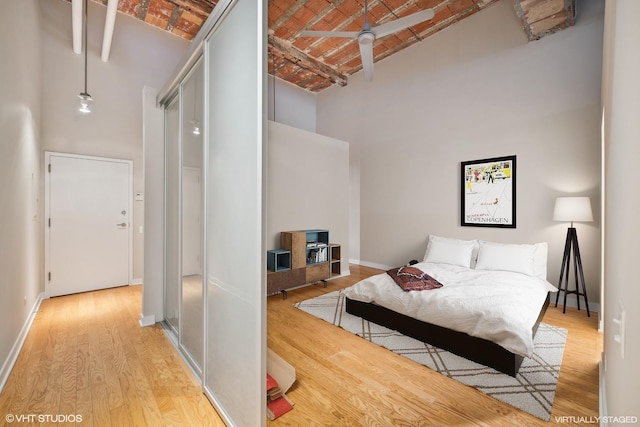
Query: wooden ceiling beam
x=176, y=13
x=289, y=52
x=143, y=8
x=540, y=18
x=288, y=14
x=201, y=8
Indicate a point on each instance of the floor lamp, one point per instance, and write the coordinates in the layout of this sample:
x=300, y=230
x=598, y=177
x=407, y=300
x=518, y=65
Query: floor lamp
x=572, y=209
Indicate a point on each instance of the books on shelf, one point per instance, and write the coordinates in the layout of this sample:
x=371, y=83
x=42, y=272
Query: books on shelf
x=318, y=254
x=311, y=245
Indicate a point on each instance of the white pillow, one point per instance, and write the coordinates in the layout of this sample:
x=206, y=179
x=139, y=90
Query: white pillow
x=443, y=250
x=540, y=261
x=511, y=257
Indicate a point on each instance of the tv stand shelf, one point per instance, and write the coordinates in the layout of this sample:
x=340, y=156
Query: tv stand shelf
x=312, y=259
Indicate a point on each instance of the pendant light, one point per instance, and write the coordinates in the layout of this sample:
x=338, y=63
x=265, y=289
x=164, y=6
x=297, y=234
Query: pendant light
x=195, y=122
x=196, y=127
x=85, y=98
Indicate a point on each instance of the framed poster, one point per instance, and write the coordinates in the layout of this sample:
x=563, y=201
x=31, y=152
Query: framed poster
x=488, y=192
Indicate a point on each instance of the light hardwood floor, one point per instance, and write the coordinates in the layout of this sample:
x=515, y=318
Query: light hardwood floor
x=86, y=355
x=344, y=380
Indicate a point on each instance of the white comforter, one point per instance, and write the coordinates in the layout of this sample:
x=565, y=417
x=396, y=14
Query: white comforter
x=499, y=306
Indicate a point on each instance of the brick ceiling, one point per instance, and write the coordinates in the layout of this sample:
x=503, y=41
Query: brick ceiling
x=317, y=63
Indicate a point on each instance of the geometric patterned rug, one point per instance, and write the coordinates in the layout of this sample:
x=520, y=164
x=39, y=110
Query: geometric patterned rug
x=532, y=390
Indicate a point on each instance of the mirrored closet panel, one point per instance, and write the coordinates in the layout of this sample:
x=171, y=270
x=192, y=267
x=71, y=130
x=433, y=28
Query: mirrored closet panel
x=172, y=216
x=235, y=261
x=192, y=216
x=215, y=271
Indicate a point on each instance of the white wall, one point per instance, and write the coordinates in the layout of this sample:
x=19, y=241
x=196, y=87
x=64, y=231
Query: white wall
x=153, y=143
x=307, y=185
x=621, y=102
x=291, y=105
x=140, y=55
x=20, y=173
x=473, y=91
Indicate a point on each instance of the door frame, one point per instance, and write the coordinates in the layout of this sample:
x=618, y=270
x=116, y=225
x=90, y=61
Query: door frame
x=47, y=195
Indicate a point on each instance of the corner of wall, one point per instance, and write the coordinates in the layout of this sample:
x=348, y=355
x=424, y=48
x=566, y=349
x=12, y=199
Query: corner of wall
x=147, y=320
x=153, y=175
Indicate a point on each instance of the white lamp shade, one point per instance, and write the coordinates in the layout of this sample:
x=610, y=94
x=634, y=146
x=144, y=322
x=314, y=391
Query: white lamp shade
x=573, y=209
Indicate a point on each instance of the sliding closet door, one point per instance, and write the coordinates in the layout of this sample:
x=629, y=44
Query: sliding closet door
x=235, y=316
x=192, y=331
x=172, y=216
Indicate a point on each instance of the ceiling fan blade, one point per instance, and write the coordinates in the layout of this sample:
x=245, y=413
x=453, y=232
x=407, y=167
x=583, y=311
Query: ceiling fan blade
x=329, y=34
x=366, y=54
x=402, y=23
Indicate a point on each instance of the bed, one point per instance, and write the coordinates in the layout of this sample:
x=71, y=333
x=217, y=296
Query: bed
x=484, y=301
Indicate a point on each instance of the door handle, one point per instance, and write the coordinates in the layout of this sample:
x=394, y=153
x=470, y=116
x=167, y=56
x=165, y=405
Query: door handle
x=122, y=224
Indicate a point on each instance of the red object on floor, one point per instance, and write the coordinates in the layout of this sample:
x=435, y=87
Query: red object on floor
x=271, y=383
x=279, y=406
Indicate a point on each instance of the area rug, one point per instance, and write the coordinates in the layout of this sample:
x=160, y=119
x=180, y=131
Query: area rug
x=532, y=390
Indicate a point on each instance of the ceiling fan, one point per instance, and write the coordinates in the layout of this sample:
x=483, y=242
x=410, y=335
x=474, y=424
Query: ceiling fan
x=368, y=34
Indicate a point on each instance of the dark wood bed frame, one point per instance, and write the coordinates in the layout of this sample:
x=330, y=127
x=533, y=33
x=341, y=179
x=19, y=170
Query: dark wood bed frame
x=476, y=349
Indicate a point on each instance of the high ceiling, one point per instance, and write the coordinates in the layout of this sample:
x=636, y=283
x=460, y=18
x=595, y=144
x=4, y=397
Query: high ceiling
x=317, y=63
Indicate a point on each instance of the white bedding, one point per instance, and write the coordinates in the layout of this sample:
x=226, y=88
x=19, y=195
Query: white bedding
x=499, y=306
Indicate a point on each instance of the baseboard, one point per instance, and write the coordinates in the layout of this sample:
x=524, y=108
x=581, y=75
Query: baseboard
x=572, y=301
x=600, y=323
x=370, y=264
x=147, y=320
x=343, y=273
x=136, y=282
x=17, y=346
x=603, y=392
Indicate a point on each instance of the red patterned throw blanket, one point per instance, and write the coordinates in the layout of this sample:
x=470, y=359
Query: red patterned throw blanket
x=413, y=279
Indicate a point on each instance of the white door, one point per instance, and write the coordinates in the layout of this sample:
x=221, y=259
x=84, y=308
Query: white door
x=87, y=230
